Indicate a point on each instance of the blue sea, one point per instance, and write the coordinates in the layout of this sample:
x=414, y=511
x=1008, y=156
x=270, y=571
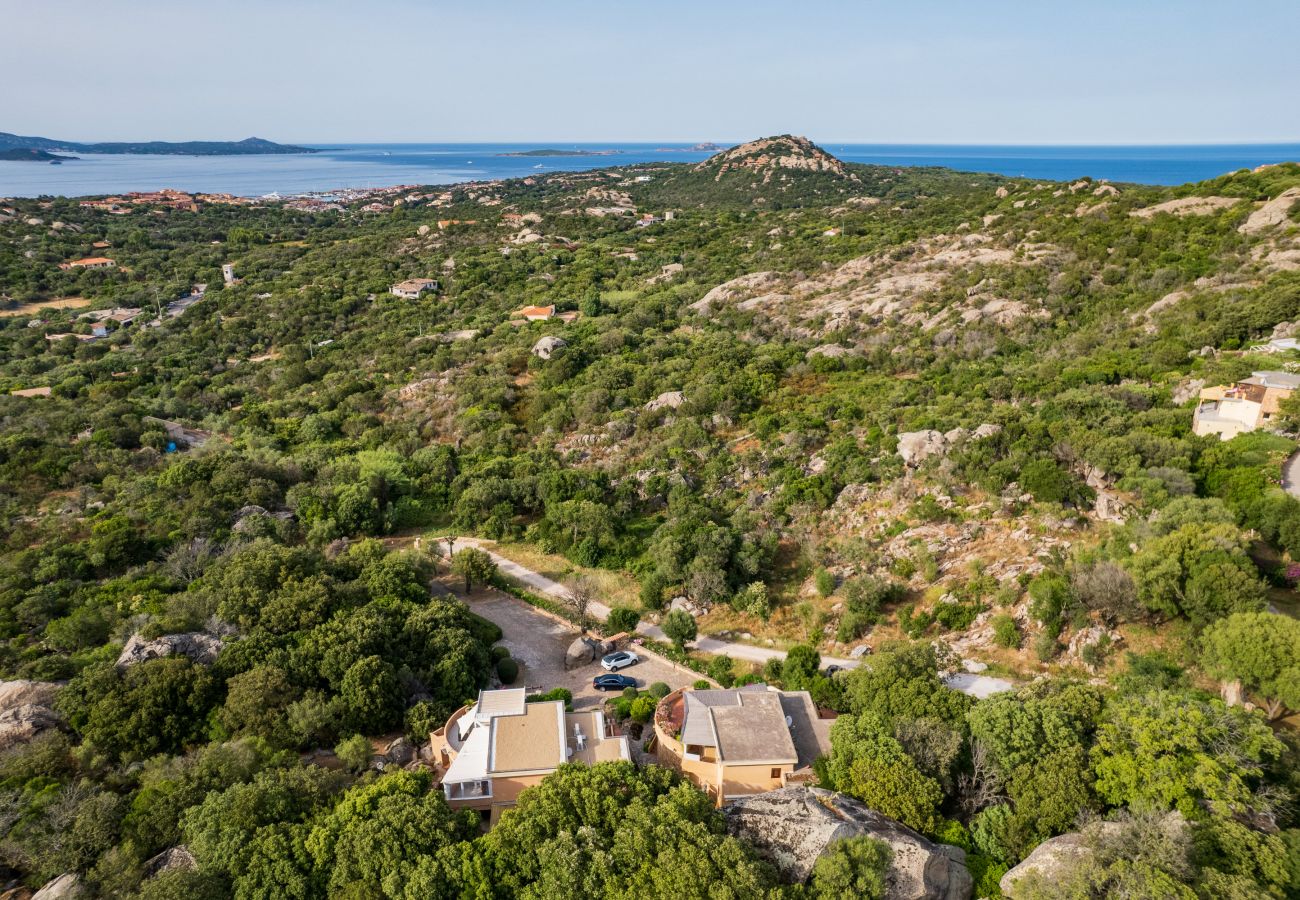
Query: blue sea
x=378, y=165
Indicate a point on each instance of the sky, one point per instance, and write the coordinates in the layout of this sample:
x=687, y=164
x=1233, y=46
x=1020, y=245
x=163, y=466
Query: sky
x=910, y=71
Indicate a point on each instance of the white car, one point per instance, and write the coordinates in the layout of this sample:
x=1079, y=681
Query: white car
x=620, y=660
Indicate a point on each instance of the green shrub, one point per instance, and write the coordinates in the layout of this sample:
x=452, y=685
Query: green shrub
x=354, y=753
x=753, y=599
x=499, y=653
x=485, y=630
x=652, y=591
x=721, y=670
x=1006, y=633
x=507, y=670
x=562, y=694
x=622, y=618
x=825, y=582
x=1045, y=646
x=659, y=690
x=957, y=616
x=701, y=685
x=642, y=709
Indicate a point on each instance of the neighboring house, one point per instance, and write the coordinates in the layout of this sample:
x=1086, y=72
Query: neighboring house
x=90, y=262
x=1255, y=402
x=1277, y=345
x=492, y=751
x=411, y=289
x=119, y=315
x=736, y=743
x=537, y=313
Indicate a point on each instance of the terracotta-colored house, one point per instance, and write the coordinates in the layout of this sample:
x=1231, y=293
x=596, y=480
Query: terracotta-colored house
x=736, y=743
x=537, y=313
x=489, y=753
x=90, y=262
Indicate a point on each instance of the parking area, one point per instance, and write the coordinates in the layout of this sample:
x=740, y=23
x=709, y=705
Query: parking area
x=538, y=642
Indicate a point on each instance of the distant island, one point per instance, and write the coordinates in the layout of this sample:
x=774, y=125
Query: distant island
x=245, y=147
x=29, y=154
x=705, y=147
x=554, y=152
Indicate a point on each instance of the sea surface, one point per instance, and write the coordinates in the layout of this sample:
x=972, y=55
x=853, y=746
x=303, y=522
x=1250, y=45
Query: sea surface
x=378, y=165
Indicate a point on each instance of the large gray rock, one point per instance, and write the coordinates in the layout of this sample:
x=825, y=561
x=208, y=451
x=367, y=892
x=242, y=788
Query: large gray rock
x=65, y=887
x=546, y=346
x=1272, y=214
x=26, y=710
x=172, y=858
x=793, y=826
x=666, y=400
x=400, y=751
x=917, y=446
x=1052, y=858
x=194, y=645
x=582, y=651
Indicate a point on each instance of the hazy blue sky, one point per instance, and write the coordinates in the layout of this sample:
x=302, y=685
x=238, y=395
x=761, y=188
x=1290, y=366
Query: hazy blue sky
x=956, y=71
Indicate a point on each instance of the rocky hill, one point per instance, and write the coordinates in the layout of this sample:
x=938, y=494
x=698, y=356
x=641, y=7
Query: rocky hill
x=779, y=158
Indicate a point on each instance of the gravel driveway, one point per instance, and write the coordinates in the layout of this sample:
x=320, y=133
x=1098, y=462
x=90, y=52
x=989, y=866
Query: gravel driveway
x=539, y=643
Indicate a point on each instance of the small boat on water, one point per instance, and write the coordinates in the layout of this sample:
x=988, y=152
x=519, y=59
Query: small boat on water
x=56, y=162
x=539, y=166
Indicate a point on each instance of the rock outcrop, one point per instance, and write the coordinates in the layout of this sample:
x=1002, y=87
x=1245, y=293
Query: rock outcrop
x=171, y=859
x=546, y=346
x=65, y=887
x=792, y=827
x=767, y=158
x=194, y=645
x=1187, y=206
x=26, y=710
x=744, y=285
x=582, y=651
x=917, y=446
x=1272, y=213
x=666, y=400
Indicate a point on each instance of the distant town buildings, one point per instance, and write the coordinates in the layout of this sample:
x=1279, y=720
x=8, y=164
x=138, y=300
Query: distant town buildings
x=412, y=288
x=1230, y=410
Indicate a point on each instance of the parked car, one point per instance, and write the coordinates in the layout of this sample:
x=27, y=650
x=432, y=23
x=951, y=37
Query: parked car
x=619, y=660
x=613, y=682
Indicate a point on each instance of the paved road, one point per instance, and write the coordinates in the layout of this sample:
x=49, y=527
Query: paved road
x=1291, y=474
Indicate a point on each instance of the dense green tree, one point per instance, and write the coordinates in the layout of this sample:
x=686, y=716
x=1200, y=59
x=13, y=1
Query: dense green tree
x=679, y=626
x=866, y=762
x=853, y=867
x=1162, y=749
x=1262, y=651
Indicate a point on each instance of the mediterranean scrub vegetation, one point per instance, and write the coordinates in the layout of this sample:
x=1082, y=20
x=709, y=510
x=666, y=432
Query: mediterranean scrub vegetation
x=869, y=413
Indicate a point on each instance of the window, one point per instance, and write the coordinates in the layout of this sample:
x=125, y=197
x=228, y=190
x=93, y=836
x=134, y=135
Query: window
x=776, y=774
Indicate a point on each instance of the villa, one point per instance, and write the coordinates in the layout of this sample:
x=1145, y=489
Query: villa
x=411, y=289
x=736, y=743
x=537, y=313
x=90, y=262
x=1255, y=402
x=492, y=751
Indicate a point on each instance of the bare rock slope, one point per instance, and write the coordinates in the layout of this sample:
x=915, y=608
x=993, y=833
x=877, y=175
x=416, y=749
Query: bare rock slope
x=793, y=826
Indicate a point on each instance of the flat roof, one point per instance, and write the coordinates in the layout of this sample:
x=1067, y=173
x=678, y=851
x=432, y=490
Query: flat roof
x=529, y=742
x=754, y=732
x=508, y=702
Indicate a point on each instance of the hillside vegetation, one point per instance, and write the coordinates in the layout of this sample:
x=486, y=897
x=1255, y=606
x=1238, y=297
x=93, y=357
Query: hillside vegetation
x=719, y=421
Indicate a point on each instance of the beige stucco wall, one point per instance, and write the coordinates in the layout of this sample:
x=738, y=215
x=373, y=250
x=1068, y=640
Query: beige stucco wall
x=739, y=781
